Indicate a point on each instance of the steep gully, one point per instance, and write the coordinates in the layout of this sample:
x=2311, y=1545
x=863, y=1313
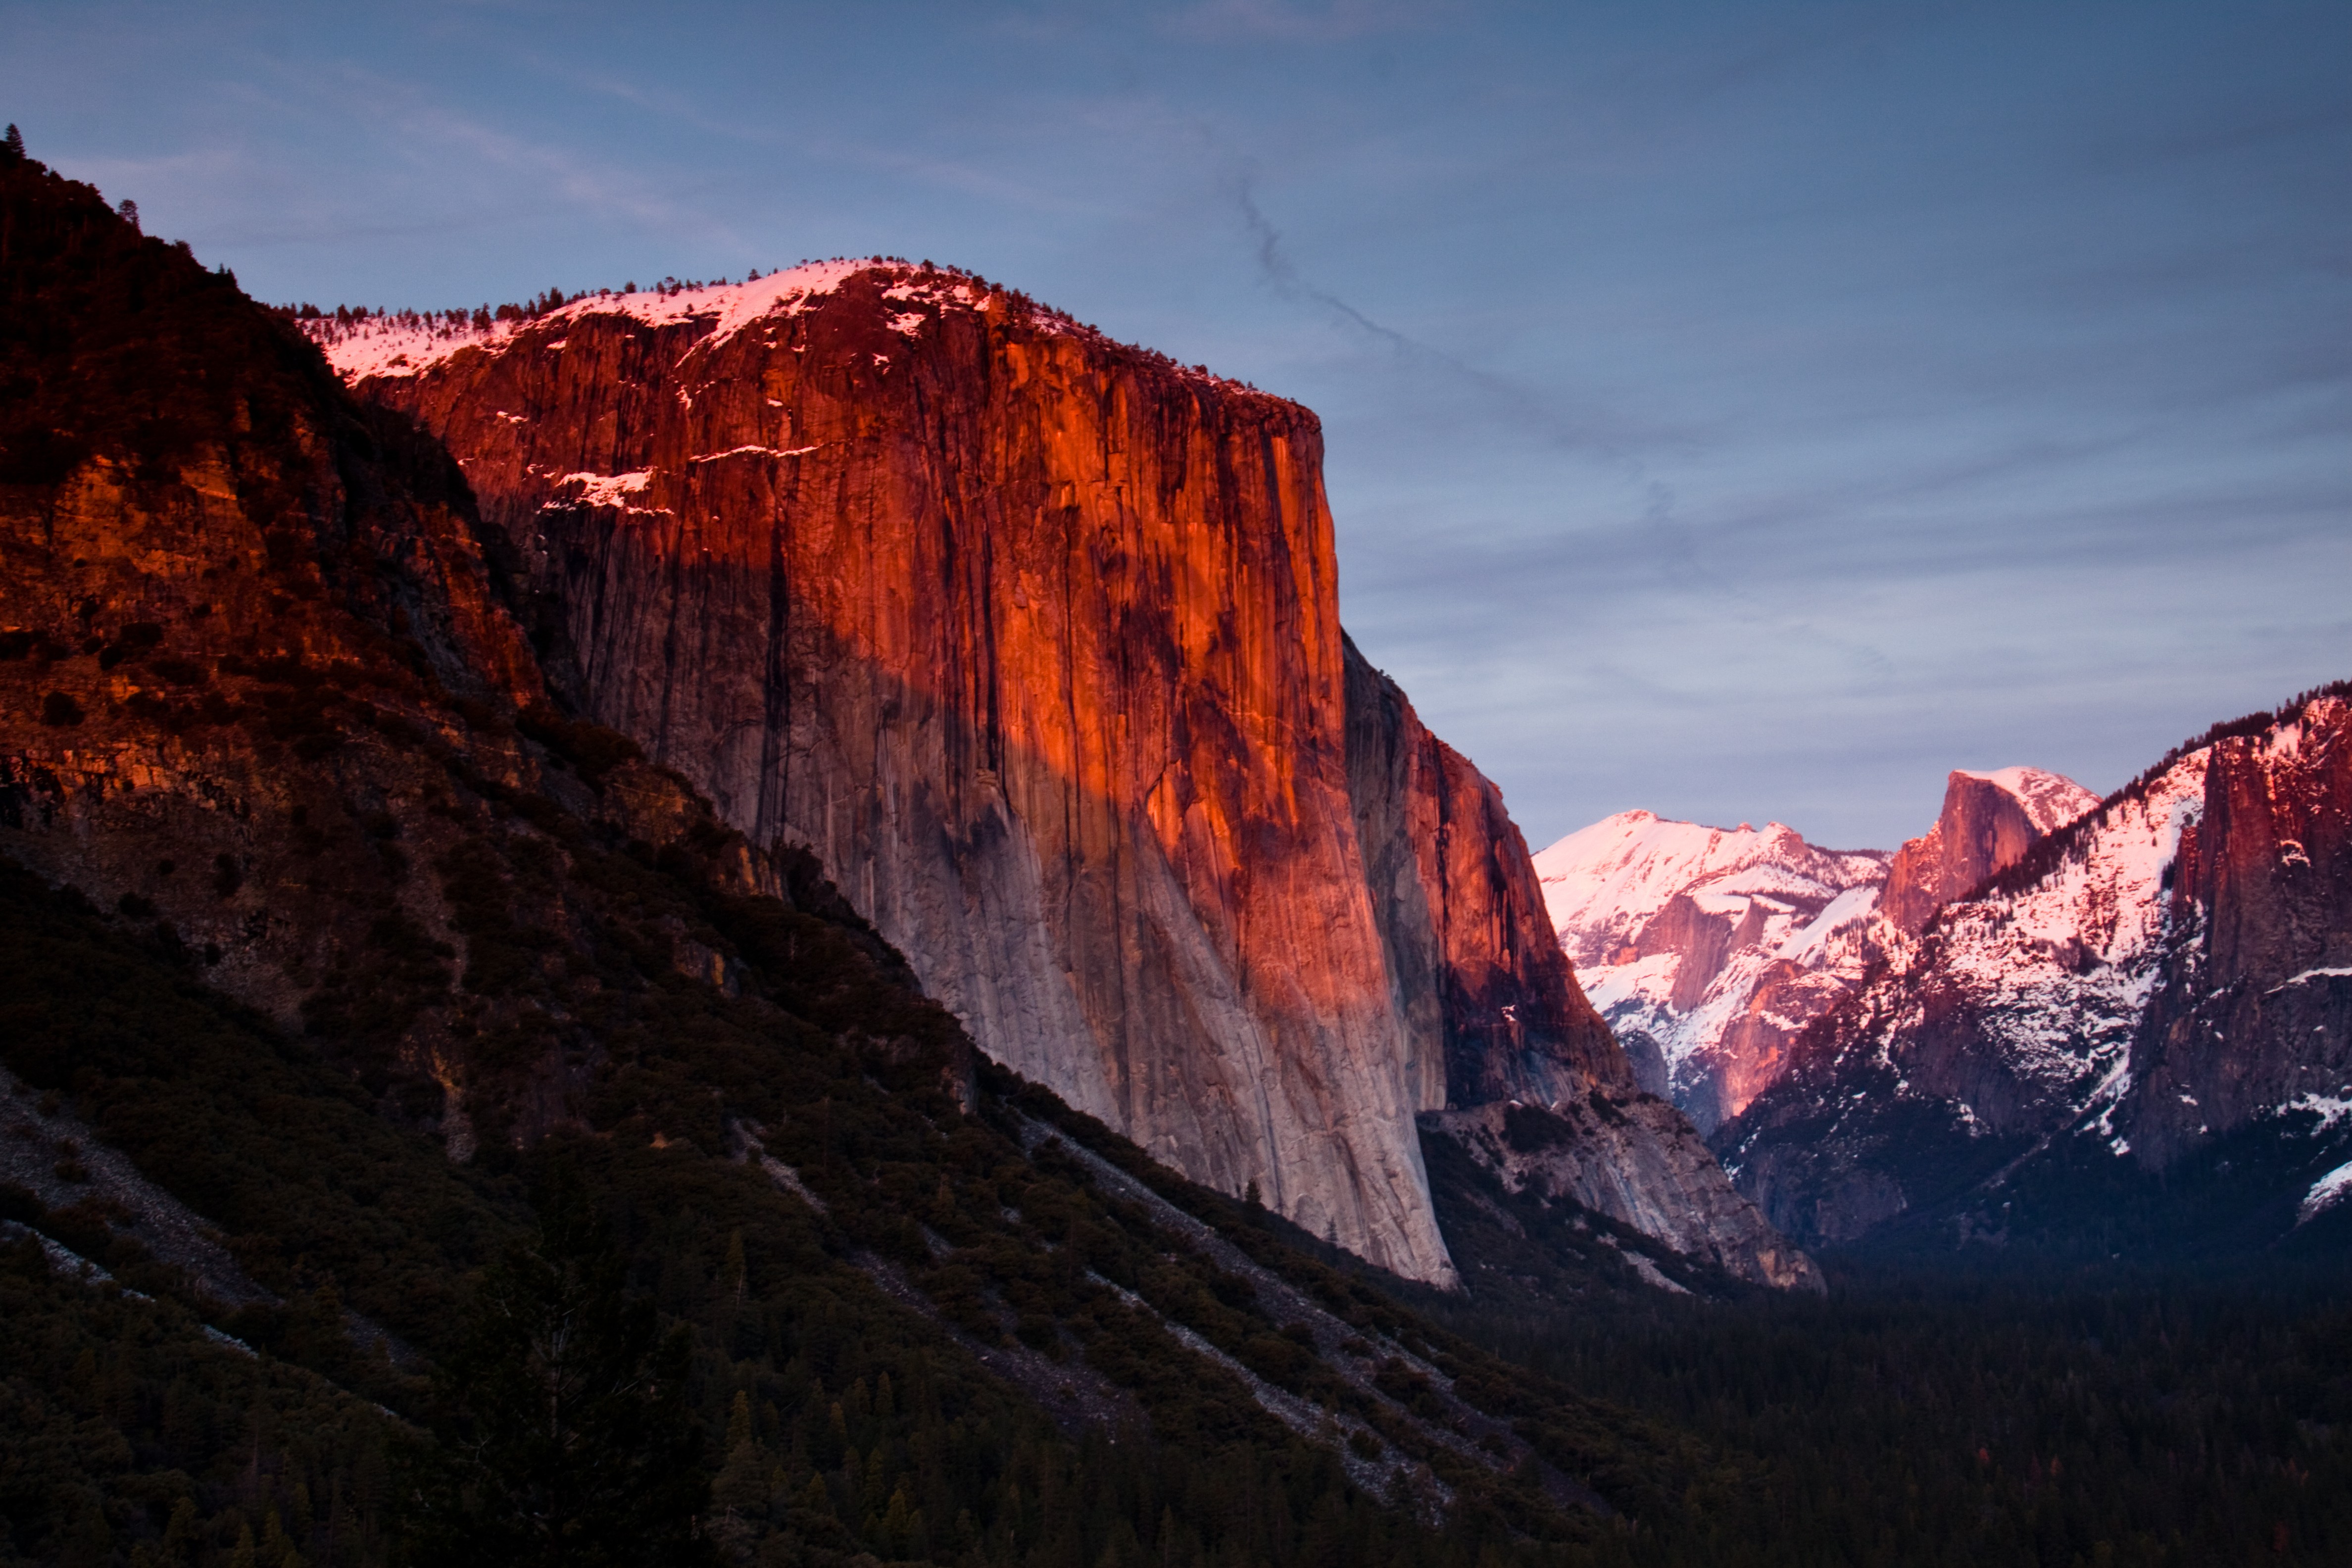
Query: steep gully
x=1031, y=639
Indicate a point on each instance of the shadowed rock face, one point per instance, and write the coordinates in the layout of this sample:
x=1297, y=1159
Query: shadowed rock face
x=1032, y=641
x=1635, y=1158
x=1483, y=988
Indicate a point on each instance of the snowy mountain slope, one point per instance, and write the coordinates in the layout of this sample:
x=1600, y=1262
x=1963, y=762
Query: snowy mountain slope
x=2169, y=974
x=1710, y=950
x=1707, y=949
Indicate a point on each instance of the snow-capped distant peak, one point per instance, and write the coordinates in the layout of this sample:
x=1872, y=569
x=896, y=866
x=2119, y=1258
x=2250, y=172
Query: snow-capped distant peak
x=1625, y=868
x=1688, y=935
x=2049, y=800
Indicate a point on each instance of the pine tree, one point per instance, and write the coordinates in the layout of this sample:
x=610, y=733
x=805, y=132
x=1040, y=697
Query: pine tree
x=14, y=142
x=562, y=1433
x=742, y=1483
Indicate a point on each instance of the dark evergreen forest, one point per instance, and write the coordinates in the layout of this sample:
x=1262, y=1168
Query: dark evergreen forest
x=1924, y=1413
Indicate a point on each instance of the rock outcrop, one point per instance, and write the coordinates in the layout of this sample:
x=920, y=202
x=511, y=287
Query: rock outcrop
x=2252, y=1014
x=1475, y=971
x=2170, y=971
x=239, y=610
x=1032, y=640
x=1633, y=1157
x=1988, y=821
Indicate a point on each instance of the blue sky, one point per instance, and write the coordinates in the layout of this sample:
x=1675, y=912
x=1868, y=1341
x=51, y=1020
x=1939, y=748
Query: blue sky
x=1744, y=411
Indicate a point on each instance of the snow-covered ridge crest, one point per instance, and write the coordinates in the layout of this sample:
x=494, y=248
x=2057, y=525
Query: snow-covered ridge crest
x=1709, y=947
x=2170, y=968
x=407, y=343
x=2059, y=972
x=1710, y=950
x=1602, y=882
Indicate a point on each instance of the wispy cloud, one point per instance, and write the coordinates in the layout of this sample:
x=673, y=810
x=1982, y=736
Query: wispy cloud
x=1607, y=437
x=1290, y=21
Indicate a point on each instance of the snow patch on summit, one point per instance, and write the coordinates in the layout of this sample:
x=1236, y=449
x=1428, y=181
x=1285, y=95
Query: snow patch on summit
x=407, y=345
x=2049, y=800
x=1719, y=943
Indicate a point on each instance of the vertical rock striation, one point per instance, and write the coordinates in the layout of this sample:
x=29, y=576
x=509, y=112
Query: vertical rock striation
x=1031, y=639
x=2252, y=1014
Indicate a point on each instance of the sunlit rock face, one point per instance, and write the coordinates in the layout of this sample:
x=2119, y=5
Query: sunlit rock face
x=1032, y=639
x=1710, y=950
x=1987, y=823
x=2170, y=969
x=1712, y=946
x=2252, y=1017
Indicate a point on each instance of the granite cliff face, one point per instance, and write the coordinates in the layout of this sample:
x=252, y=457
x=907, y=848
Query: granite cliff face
x=2252, y=1014
x=1473, y=969
x=1536, y=1088
x=1031, y=639
x=2162, y=986
x=1988, y=821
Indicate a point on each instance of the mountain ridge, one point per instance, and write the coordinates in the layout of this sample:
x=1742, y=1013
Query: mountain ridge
x=1712, y=949
x=2152, y=980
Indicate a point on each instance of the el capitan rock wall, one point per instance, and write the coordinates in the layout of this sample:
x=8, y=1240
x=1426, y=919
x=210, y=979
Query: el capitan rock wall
x=1032, y=639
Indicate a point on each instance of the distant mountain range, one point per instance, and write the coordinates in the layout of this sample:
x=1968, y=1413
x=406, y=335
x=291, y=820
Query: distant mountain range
x=1710, y=950
x=2112, y=1024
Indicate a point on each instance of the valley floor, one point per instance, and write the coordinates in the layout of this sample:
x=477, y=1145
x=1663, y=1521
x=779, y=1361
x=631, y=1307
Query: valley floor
x=2001, y=1411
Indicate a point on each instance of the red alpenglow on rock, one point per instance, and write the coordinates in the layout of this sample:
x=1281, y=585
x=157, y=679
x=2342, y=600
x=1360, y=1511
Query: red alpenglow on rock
x=2170, y=968
x=1710, y=950
x=1032, y=639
